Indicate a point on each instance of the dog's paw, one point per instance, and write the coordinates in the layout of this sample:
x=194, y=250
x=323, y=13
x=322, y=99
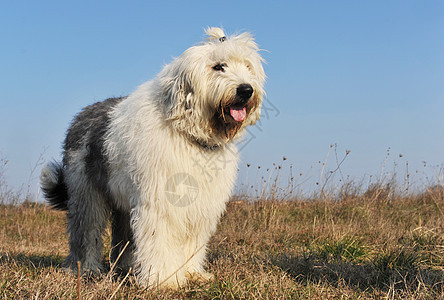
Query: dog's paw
x=200, y=277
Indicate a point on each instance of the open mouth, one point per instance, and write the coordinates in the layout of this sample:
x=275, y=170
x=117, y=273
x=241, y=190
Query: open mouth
x=238, y=113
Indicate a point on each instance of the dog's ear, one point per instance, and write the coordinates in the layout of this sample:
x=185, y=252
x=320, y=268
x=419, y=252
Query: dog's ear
x=179, y=95
x=183, y=108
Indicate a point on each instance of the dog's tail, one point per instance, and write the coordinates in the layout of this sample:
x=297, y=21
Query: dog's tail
x=52, y=183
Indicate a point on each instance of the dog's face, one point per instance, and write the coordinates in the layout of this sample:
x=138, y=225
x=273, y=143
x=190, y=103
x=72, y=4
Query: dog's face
x=215, y=89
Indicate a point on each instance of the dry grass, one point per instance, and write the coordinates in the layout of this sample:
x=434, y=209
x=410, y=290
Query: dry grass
x=370, y=245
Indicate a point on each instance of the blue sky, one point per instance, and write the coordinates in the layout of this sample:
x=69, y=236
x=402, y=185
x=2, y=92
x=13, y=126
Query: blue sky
x=365, y=75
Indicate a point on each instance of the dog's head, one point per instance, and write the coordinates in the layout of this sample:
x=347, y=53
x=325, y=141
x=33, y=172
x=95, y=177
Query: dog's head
x=215, y=89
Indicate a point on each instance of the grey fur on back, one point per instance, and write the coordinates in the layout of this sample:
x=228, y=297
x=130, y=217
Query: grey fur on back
x=86, y=131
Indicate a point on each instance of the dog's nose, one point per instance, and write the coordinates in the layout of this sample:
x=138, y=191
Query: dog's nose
x=244, y=91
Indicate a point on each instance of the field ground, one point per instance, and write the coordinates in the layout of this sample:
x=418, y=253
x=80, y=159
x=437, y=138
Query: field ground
x=375, y=245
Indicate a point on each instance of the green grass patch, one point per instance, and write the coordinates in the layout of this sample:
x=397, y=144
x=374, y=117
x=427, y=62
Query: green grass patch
x=346, y=248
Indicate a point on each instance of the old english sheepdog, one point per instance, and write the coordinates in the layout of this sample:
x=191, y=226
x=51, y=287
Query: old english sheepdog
x=160, y=163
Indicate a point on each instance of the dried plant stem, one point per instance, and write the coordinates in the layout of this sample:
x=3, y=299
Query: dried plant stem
x=79, y=296
x=120, y=284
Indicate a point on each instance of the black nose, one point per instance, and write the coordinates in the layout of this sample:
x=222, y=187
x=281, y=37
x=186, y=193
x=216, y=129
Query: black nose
x=244, y=91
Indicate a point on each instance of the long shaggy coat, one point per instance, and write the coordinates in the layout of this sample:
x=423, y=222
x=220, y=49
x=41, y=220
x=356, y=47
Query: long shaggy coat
x=160, y=163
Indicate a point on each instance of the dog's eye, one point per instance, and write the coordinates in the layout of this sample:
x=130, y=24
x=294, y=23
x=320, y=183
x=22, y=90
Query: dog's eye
x=219, y=67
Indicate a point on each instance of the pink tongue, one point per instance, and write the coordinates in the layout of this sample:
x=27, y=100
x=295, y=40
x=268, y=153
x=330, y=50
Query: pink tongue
x=238, y=114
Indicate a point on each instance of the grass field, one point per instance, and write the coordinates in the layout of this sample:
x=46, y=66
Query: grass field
x=370, y=245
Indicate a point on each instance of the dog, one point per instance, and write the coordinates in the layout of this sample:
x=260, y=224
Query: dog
x=160, y=163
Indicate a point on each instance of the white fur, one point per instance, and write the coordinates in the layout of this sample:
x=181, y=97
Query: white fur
x=170, y=234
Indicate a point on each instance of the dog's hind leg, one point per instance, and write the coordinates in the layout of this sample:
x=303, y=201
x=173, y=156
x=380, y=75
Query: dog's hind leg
x=122, y=240
x=88, y=213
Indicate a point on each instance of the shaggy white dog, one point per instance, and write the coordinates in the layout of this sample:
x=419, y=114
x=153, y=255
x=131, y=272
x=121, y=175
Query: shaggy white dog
x=160, y=162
